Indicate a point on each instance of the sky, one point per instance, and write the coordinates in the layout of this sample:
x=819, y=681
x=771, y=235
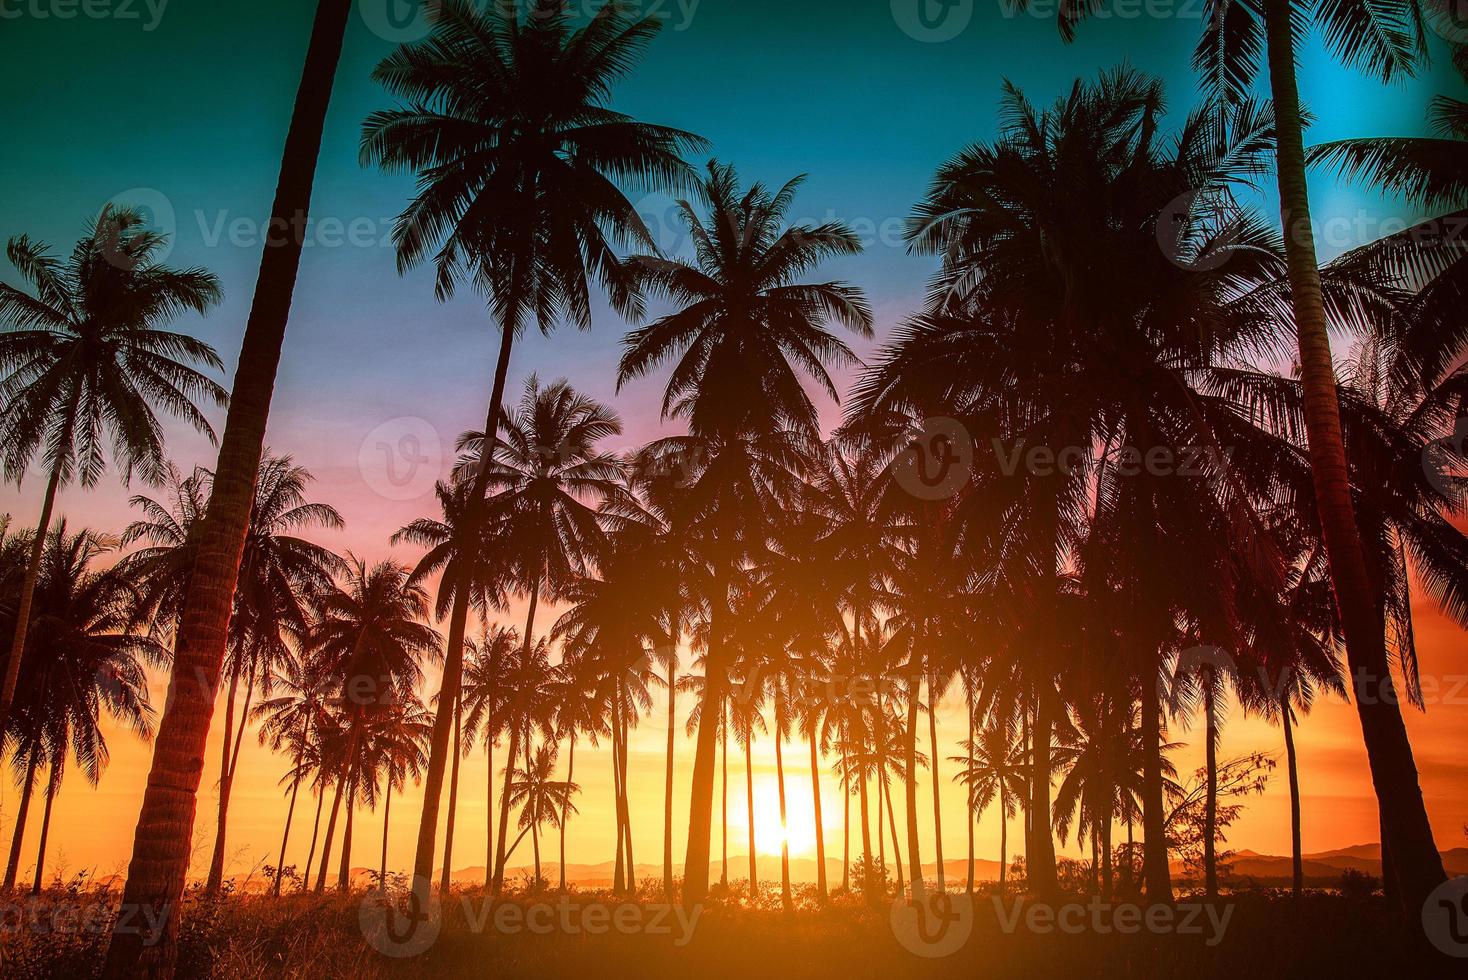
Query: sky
x=181, y=106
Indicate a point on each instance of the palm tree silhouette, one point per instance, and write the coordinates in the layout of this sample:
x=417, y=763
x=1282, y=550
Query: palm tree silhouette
x=89, y=357
x=161, y=845
x=542, y=800
x=993, y=768
x=505, y=121
x=84, y=660
x=486, y=667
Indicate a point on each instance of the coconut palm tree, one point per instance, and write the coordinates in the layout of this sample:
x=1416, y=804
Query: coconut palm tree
x=371, y=639
x=519, y=158
x=528, y=712
x=542, y=800
x=744, y=330
x=394, y=749
x=84, y=659
x=279, y=572
x=993, y=768
x=161, y=845
x=88, y=358
x=486, y=667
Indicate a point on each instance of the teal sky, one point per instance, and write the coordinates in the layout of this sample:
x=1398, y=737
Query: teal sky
x=186, y=113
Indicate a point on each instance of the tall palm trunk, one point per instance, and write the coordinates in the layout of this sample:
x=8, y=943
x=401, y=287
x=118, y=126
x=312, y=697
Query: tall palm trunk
x=892, y=825
x=668, y=780
x=155, y=877
x=724, y=809
x=498, y=883
x=386, y=822
x=344, y=868
x=1003, y=836
x=566, y=803
x=973, y=818
x=624, y=807
x=937, y=781
x=1297, y=861
x=525, y=644
x=909, y=756
x=315, y=831
x=291, y=809
x=1210, y=803
x=749, y=812
x=1419, y=866
x=226, y=779
x=1154, y=839
x=1040, y=859
x=815, y=795
x=621, y=872
x=701, y=795
x=28, y=785
x=448, y=833
x=489, y=802
x=336, y=803
x=785, y=901
x=845, y=829
x=32, y=576
x=52, y=781
x=453, y=664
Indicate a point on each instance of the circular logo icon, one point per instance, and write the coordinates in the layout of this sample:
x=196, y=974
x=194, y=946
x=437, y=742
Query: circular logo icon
x=932, y=21
x=1445, y=917
x=398, y=21
x=1448, y=19
x=401, y=925
x=665, y=221
x=156, y=215
x=1197, y=230
x=1443, y=459
x=1192, y=663
x=937, y=462
x=932, y=923
x=402, y=458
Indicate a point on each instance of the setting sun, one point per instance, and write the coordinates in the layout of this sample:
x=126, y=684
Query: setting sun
x=800, y=829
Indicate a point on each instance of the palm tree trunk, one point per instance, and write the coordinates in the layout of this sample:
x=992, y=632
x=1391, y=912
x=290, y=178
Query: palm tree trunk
x=724, y=807
x=937, y=781
x=1154, y=839
x=1003, y=836
x=909, y=755
x=386, y=822
x=749, y=812
x=625, y=806
x=701, y=795
x=1040, y=860
x=526, y=641
x=226, y=776
x=815, y=795
x=566, y=803
x=52, y=781
x=1297, y=861
x=668, y=779
x=973, y=818
x=1419, y=866
x=161, y=845
x=291, y=809
x=448, y=834
x=315, y=830
x=785, y=901
x=499, y=855
x=845, y=829
x=1210, y=803
x=488, y=802
x=344, y=869
x=620, y=871
x=453, y=665
x=892, y=825
x=12, y=865
x=32, y=576
x=336, y=803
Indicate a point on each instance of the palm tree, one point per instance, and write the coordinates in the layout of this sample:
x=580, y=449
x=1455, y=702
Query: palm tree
x=396, y=746
x=484, y=698
x=278, y=571
x=84, y=659
x=542, y=800
x=580, y=710
x=161, y=845
x=744, y=329
x=88, y=358
x=371, y=639
x=528, y=711
x=993, y=767
x=505, y=122
x=1385, y=38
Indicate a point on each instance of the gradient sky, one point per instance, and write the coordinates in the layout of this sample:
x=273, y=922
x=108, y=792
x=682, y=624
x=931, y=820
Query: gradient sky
x=186, y=114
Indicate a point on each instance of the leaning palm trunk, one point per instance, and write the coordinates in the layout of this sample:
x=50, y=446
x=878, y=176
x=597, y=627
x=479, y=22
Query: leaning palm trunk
x=1297, y=861
x=566, y=803
x=291, y=809
x=1154, y=837
x=785, y=900
x=344, y=868
x=12, y=866
x=336, y=803
x=155, y=876
x=701, y=797
x=386, y=822
x=453, y=664
x=315, y=835
x=1003, y=835
x=1210, y=803
x=28, y=584
x=909, y=749
x=1419, y=866
x=892, y=825
x=448, y=833
x=227, y=766
x=937, y=782
x=504, y=818
x=668, y=780
x=52, y=781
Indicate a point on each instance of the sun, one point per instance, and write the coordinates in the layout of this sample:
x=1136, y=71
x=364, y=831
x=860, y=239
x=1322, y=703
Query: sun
x=799, y=829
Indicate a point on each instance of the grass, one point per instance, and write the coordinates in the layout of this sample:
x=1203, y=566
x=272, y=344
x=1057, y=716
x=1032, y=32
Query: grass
x=63, y=934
